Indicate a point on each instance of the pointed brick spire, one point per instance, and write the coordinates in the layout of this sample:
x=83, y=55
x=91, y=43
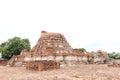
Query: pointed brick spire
x=51, y=44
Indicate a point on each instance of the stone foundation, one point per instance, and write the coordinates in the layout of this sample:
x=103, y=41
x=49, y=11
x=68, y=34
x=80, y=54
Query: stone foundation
x=64, y=60
x=42, y=65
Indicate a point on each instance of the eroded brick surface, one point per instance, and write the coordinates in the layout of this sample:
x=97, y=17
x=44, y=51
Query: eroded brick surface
x=42, y=65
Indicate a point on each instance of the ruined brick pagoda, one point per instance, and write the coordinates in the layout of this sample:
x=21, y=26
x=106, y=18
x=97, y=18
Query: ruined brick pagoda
x=51, y=44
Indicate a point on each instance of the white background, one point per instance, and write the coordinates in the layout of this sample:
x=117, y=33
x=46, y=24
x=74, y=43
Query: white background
x=89, y=24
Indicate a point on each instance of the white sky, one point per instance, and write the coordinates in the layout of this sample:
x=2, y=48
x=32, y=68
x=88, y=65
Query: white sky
x=89, y=24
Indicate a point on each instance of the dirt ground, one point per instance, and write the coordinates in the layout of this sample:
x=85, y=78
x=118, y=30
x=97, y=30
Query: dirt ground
x=78, y=72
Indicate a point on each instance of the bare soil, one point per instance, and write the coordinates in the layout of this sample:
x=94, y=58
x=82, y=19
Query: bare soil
x=78, y=72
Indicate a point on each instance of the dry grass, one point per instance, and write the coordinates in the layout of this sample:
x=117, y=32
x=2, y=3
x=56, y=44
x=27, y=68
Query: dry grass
x=78, y=72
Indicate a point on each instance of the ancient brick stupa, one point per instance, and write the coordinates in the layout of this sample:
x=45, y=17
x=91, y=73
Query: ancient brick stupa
x=54, y=46
x=51, y=44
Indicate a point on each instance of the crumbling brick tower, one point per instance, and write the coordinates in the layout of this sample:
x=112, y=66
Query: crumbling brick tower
x=51, y=44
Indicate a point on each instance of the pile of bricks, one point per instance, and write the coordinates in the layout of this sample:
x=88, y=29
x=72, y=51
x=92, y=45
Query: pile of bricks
x=42, y=65
x=3, y=62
